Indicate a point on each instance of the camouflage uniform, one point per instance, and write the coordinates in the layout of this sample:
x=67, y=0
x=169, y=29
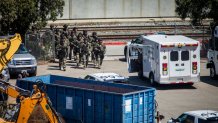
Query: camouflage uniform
x=72, y=39
x=85, y=53
x=81, y=41
x=88, y=39
x=67, y=35
x=57, y=41
x=93, y=42
x=102, y=52
x=99, y=51
x=62, y=53
x=66, y=31
x=77, y=49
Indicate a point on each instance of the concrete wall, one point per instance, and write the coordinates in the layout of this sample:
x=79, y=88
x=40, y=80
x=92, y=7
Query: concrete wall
x=76, y=9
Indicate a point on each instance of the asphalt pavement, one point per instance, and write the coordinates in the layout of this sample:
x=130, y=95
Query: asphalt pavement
x=172, y=99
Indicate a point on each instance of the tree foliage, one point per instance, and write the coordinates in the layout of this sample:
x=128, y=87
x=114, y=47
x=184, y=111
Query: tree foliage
x=20, y=15
x=197, y=10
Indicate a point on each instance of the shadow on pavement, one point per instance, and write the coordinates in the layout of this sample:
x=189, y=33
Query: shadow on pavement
x=175, y=87
x=53, y=67
x=208, y=80
x=122, y=59
x=145, y=82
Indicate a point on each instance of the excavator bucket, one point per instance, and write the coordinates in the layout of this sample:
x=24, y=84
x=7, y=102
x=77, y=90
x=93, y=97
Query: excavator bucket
x=38, y=115
x=8, y=47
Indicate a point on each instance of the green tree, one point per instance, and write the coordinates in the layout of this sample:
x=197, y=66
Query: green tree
x=197, y=10
x=19, y=15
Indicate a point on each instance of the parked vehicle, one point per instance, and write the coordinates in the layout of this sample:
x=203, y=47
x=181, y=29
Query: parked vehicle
x=23, y=61
x=199, y=116
x=165, y=59
x=107, y=77
x=6, y=77
x=212, y=54
x=5, y=74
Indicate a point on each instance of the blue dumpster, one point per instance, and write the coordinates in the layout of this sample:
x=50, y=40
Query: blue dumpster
x=87, y=101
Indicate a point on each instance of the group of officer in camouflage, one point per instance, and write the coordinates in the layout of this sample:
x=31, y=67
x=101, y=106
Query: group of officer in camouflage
x=85, y=48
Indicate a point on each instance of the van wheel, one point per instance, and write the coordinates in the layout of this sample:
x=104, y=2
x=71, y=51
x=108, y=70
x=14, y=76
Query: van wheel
x=151, y=80
x=213, y=73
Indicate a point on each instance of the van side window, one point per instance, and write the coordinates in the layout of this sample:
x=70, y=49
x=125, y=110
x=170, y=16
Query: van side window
x=185, y=55
x=174, y=56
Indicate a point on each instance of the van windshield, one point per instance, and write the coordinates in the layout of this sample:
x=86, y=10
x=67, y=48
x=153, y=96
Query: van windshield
x=21, y=50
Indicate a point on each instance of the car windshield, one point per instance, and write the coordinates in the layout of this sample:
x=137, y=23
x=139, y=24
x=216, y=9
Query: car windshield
x=22, y=50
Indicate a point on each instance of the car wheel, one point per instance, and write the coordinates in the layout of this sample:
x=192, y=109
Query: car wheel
x=151, y=80
x=213, y=73
x=34, y=74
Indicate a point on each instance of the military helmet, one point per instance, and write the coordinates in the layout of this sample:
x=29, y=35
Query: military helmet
x=80, y=34
x=65, y=25
x=75, y=28
x=94, y=33
x=51, y=26
x=84, y=31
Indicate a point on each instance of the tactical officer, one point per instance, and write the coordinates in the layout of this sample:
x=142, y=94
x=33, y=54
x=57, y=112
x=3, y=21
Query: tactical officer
x=89, y=43
x=65, y=30
x=102, y=52
x=81, y=41
x=99, y=51
x=85, y=53
x=77, y=49
x=62, y=52
x=94, y=39
x=73, y=37
x=67, y=35
x=57, y=41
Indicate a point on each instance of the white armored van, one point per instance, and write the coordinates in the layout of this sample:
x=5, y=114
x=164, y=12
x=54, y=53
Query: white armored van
x=165, y=59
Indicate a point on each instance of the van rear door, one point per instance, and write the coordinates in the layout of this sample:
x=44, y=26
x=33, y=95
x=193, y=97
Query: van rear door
x=179, y=62
x=132, y=59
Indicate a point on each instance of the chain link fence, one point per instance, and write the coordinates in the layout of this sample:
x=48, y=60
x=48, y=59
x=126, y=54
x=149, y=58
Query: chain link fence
x=41, y=45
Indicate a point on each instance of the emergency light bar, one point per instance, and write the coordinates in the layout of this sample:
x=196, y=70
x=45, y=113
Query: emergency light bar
x=177, y=45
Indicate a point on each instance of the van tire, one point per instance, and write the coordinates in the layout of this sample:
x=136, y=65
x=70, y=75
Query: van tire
x=34, y=73
x=213, y=73
x=151, y=80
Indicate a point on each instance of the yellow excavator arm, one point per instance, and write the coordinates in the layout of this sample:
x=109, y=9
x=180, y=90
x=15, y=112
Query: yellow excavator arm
x=8, y=47
x=28, y=101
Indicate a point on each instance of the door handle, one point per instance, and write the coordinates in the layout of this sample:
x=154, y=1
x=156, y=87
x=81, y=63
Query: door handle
x=177, y=64
x=182, y=64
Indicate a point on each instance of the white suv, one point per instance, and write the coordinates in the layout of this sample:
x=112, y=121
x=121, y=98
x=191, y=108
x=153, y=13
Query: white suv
x=199, y=116
x=22, y=61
